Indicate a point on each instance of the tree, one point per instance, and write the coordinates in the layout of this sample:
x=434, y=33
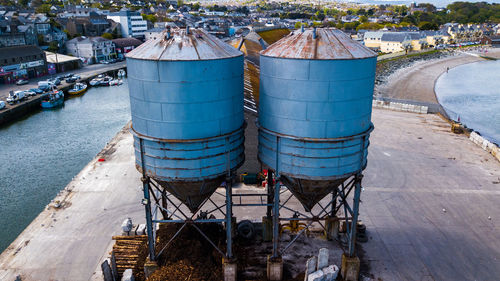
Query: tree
x=196, y=6
x=363, y=19
x=24, y=3
x=425, y=25
x=41, y=39
x=53, y=46
x=107, y=35
x=44, y=8
x=180, y=3
x=298, y=25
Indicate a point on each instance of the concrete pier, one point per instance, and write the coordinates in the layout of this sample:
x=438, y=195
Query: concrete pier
x=13, y=111
x=416, y=169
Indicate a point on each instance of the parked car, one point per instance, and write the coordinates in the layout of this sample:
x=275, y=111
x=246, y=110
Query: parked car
x=29, y=93
x=71, y=79
x=22, y=82
x=2, y=104
x=56, y=81
x=36, y=91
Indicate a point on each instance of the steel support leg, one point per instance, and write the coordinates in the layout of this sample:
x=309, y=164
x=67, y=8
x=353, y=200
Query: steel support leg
x=147, y=205
x=355, y=212
x=276, y=214
x=270, y=186
x=229, y=218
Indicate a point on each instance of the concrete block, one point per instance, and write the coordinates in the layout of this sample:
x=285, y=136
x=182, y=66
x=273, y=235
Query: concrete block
x=332, y=228
x=267, y=229
x=274, y=269
x=106, y=271
x=484, y=145
x=316, y=276
x=141, y=229
x=350, y=268
x=150, y=267
x=127, y=225
x=128, y=275
x=330, y=272
x=311, y=265
x=322, y=258
x=230, y=270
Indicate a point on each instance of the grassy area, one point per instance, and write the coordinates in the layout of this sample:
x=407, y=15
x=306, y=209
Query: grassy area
x=271, y=36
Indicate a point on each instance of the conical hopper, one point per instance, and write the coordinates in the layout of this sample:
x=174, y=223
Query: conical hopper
x=310, y=192
x=192, y=194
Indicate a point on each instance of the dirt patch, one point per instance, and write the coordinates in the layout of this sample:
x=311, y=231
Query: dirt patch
x=190, y=256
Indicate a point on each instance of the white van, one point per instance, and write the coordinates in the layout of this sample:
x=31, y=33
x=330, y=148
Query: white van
x=45, y=85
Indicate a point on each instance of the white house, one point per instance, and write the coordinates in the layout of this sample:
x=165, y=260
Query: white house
x=131, y=23
x=91, y=49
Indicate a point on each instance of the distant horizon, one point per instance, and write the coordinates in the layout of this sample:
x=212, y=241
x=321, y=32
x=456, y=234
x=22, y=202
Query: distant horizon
x=437, y=3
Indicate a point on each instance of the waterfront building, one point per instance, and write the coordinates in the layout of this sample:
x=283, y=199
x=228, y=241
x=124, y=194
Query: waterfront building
x=15, y=33
x=125, y=45
x=132, y=24
x=21, y=62
x=91, y=49
x=373, y=39
x=92, y=25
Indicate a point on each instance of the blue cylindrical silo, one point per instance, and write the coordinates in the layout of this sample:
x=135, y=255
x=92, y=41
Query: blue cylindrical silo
x=186, y=96
x=316, y=91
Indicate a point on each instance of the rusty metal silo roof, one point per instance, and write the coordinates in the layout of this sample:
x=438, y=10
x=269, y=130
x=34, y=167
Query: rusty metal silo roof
x=329, y=44
x=184, y=45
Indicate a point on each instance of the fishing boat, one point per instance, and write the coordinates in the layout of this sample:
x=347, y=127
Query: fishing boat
x=53, y=99
x=97, y=81
x=106, y=81
x=78, y=88
x=121, y=73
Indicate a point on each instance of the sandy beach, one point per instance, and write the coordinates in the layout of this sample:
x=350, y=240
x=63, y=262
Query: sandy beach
x=416, y=82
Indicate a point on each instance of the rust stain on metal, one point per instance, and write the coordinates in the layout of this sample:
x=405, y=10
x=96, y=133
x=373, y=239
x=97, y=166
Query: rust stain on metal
x=181, y=46
x=330, y=44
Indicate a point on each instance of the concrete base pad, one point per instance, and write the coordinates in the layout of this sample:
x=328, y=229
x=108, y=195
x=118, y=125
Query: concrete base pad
x=332, y=228
x=267, y=229
x=230, y=270
x=150, y=267
x=274, y=269
x=350, y=268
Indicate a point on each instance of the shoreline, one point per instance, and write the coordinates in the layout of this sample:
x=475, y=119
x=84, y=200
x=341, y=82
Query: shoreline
x=416, y=82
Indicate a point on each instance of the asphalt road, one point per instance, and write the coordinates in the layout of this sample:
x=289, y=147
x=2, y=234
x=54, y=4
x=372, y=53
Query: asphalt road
x=430, y=204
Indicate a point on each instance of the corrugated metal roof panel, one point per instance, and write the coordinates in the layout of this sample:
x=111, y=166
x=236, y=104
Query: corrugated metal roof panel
x=197, y=45
x=330, y=44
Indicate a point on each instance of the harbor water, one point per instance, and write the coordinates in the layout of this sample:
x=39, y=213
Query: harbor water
x=471, y=93
x=42, y=152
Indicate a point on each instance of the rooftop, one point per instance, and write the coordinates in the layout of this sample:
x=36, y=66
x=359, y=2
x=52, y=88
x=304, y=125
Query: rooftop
x=19, y=51
x=183, y=46
x=329, y=44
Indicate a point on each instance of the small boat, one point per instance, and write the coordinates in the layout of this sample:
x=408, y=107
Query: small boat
x=95, y=81
x=121, y=73
x=115, y=82
x=53, y=99
x=106, y=81
x=79, y=88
